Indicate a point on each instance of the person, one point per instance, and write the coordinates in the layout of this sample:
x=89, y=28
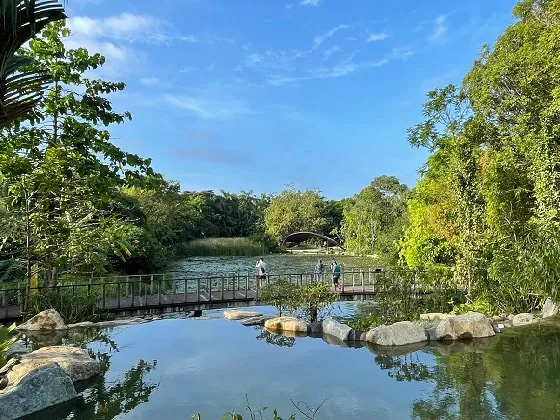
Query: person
x=261, y=271
x=319, y=268
x=335, y=274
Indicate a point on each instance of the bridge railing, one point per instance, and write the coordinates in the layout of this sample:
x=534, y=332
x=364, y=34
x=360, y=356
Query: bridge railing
x=167, y=289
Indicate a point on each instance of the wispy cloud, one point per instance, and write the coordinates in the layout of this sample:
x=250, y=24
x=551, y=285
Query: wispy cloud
x=313, y=3
x=439, y=29
x=210, y=108
x=152, y=82
x=401, y=53
x=377, y=37
x=319, y=39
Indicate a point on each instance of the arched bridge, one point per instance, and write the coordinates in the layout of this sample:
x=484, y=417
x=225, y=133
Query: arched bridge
x=296, y=238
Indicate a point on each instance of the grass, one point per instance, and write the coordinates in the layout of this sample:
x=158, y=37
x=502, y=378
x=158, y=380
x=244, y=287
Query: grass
x=224, y=247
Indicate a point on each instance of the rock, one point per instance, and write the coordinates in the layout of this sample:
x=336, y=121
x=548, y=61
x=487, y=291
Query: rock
x=286, y=323
x=499, y=318
x=355, y=335
x=46, y=338
x=121, y=322
x=45, y=320
x=336, y=329
x=466, y=326
x=82, y=324
x=255, y=320
x=504, y=324
x=74, y=361
x=523, y=319
x=397, y=334
x=549, y=308
x=42, y=388
x=435, y=316
x=234, y=314
x=17, y=349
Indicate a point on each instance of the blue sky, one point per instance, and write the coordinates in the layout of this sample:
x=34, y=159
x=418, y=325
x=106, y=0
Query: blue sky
x=255, y=94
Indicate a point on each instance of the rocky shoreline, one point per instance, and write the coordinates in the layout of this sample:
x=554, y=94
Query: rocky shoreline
x=55, y=374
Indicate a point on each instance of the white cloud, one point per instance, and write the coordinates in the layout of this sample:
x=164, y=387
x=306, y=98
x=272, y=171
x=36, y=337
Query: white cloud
x=152, y=82
x=402, y=53
x=210, y=108
x=440, y=29
x=328, y=53
x=377, y=37
x=319, y=39
x=313, y=3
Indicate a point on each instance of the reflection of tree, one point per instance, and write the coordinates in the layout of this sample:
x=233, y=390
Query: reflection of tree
x=516, y=377
x=105, y=400
x=275, y=339
x=404, y=368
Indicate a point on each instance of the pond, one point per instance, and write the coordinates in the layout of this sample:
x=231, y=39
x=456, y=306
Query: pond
x=276, y=264
x=172, y=368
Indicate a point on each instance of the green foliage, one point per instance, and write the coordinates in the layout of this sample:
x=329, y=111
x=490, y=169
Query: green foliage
x=73, y=305
x=403, y=294
x=7, y=338
x=313, y=300
x=12, y=271
x=280, y=293
x=223, y=247
x=374, y=219
x=295, y=210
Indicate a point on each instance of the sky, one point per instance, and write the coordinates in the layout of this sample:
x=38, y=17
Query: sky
x=256, y=94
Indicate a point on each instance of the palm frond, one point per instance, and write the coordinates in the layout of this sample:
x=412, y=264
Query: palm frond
x=20, y=20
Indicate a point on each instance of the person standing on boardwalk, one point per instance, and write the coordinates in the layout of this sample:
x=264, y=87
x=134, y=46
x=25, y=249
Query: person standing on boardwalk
x=319, y=268
x=261, y=271
x=335, y=274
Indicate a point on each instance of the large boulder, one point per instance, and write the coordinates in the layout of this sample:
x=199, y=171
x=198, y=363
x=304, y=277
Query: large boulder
x=336, y=329
x=286, y=323
x=17, y=349
x=45, y=320
x=74, y=361
x=466, y=326
x=523, y=319
x=550, y=308
x=41, y=388
x=235, y=314
x=397, y=334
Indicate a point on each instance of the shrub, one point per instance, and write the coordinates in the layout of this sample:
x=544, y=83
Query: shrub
x=6, y=340
x=71, y=306
x=282, y=294
x=313, y=299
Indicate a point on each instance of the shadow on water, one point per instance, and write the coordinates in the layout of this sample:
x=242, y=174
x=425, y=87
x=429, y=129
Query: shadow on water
x=100, y=399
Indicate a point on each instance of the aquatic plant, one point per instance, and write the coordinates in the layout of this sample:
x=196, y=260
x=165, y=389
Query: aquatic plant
x=230, y=247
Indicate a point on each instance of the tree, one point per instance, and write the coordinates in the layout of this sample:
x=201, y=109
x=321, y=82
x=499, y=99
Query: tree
x=60, y=168
x=295, y=210
x=20, y=89
x=373, y=220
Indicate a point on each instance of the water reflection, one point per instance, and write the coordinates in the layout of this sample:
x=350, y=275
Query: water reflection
x=275, y=339
x=101, y=399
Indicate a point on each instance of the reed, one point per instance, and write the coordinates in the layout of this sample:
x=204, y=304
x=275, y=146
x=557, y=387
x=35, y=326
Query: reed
x=224, y=247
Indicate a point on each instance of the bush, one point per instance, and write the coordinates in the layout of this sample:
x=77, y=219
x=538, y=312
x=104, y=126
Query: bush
x=282, y=294
x=313, y=299
x=72, y=307
x=6, y=340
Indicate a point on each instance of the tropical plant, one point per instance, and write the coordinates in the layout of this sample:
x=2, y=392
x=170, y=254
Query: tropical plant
x=20, y=89
x=7, y=338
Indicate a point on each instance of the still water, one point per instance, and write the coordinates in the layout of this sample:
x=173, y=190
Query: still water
x=276, y=264
x=172, y=368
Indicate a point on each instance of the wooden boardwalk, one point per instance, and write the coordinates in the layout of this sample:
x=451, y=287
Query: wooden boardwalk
x=155, y=292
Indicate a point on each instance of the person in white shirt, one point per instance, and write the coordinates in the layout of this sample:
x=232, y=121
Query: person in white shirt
x=261, y=271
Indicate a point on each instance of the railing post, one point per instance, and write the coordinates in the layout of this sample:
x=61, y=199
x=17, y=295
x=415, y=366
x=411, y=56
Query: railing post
x=103, y=294
x=246, y=285
x=198, y=290
x=363, y=285
x=185, y=291
x=210, y=291
x=146, y=290
x=151, y=284
x=159, y=292
x=222, y=288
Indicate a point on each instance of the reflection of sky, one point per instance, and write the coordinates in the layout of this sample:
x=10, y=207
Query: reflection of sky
x=210, y=365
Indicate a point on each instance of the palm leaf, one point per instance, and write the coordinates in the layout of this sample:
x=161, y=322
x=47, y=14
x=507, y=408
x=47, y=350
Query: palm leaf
x=20, y=20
